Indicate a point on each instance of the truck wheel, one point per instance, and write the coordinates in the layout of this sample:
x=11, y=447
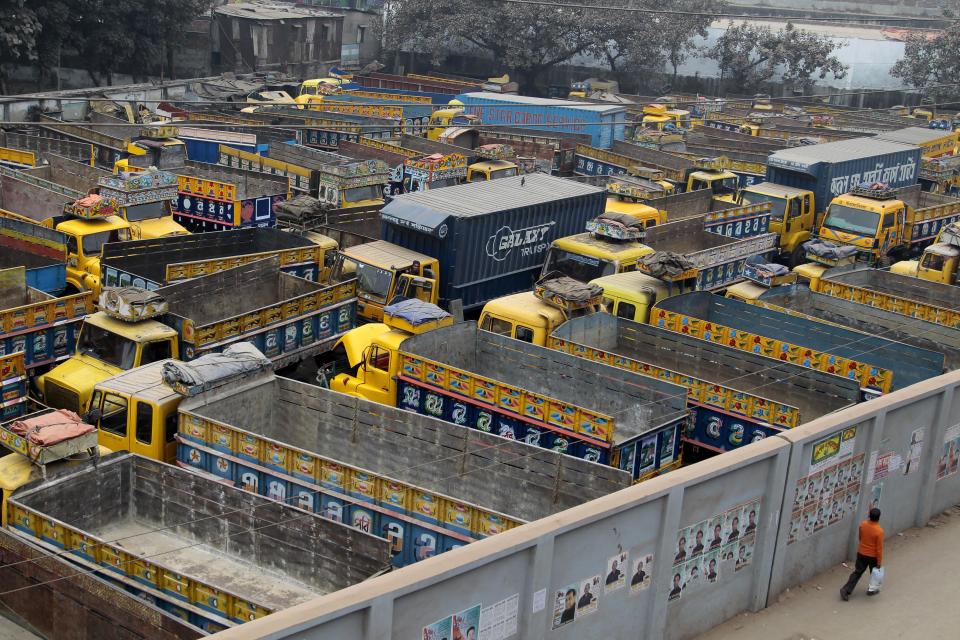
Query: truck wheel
x=798, y=256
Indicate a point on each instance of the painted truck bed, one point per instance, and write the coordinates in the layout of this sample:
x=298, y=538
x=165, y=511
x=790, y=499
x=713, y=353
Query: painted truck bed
x=41, y=251
x=931, y=301
x=733, y=387
x=154, y=263
x=398, y=478
x=487, y=381
x=167, y=533
x=285, y=317
x=800, y=300
x=880, y=365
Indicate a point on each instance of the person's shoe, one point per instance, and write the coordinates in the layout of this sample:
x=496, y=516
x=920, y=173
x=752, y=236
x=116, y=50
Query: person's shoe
x=872, y=593
x=844, y=595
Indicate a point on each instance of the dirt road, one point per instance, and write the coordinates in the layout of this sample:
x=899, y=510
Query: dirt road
x=918, y=600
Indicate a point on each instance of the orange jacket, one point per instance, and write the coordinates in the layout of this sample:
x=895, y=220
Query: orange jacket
x=871, y=540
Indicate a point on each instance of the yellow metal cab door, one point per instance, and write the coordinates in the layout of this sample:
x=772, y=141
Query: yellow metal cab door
x=109, y=412
x=378, y=379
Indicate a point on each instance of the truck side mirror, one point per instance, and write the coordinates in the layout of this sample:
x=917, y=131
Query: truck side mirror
x=365, y=356
x=93, y=416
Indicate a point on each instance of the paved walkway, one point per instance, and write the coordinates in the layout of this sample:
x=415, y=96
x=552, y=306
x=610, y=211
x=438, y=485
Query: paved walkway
x=919, y=599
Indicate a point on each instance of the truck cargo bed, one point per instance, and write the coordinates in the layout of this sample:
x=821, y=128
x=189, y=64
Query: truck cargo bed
x=897, y=285
x=801, y=300
x=812, y=392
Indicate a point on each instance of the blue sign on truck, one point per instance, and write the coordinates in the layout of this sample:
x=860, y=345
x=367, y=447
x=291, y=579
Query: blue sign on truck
x=834, y=168
x=491, y=238
x=604, y=123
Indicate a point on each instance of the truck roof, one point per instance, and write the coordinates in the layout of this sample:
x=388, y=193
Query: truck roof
x=803, y=158
x=525, y=308
x=429, y=209
x=487, y=96
x=773, y=189
x=387, y=255
x=603, y=247
x=142, y=331
x=145, y=382
x=631, y=283
x=915, y=135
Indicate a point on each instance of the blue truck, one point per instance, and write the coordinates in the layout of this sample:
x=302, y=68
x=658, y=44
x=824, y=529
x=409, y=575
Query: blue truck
x=604, y=123
x=491, y=238
x=834, y=168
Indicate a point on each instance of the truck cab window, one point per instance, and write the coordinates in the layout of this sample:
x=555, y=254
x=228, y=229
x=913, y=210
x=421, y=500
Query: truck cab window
x=932, y=261
x=380, y=359
x=888, y=220
x=72, y=245
x=114, y=418
x=170, y=426
x=496, y=325
x=795, y=207
x=154, y=351
x=524, y=333
x=626, y=310
x=144, y=423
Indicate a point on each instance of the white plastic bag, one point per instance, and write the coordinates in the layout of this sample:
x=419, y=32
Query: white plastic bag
x=876, y=580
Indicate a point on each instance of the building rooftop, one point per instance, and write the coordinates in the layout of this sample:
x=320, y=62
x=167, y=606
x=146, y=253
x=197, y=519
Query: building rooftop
x=273, y=11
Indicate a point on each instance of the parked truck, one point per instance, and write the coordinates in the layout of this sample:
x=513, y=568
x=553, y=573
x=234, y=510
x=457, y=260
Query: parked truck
x=878, y=364
x=737, y=397
x=391, y=481
x=544, y=151
x=485, y=381
x=938, y=263
x=285, y=317
x=41, y=326
x=933, y=143
x=491, y=238
x=136, y=539
x=40, y=251
x=151, y=264
x=876, y=224
x=834, y=168
x=216, y=198
x=793, y=216
x=341, y=182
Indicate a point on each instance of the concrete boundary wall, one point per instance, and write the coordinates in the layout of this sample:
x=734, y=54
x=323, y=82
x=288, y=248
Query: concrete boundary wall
x=530, y=566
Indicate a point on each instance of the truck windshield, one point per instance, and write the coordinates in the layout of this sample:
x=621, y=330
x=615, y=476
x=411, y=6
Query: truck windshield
x=503, y=173
x=93, y=243
x=844, y=218
x=578, y=267
x=146, y=211
x=372, y=282
x=369, y=192
x=778, y=206
x=107, y=346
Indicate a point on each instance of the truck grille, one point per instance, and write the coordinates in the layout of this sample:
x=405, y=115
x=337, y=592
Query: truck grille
x=59, y=398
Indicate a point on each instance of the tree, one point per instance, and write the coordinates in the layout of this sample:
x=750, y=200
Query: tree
x=528, y=40
x=750, y=55
x=19, y=27
x=930, y=63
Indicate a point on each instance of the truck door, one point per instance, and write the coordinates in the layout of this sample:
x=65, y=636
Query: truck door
x=410, y=286
x=147, y=439
x=378, y=385
x=109, y=413
x=155, y=351
x=888, y=238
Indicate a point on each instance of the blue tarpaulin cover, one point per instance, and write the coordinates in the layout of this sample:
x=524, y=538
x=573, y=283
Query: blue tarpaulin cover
x=416, y=312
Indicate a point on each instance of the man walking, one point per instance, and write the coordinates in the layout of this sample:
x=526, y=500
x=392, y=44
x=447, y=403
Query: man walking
x=869, y=553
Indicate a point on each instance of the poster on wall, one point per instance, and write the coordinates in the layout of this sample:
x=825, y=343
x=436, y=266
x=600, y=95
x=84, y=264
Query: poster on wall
x=498, y=621
x=465, y=624
x=616, y=572
x=949, y=460
x=914, y=451
x=589, y=600
x=565, y=605
x=825, y=497
x=832, y=449
x=439, y=630
x=642, y=572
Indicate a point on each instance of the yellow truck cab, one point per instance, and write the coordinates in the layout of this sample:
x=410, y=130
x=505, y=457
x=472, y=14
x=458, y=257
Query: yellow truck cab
x=136, y=411
x=111, y=341
x=385, y=271
x=89, y=223
x=713, y=174
x=531, y=316
x=939, y=260
x=627, y=195
x=143, y=199
x=372, y=349
x=792, y=214
x=493, y=162
x=872, y=220
x=612, y=244
x=632, y=295
x=452, y=116
x=318, y=87
x=759, y=279
x=656, y=116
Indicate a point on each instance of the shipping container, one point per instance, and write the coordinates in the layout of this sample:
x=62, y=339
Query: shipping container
x=737, y=397
x=401, y=477
x=151, y=264
x=482, y=380
x=193, y=546
x=491, y=238
x=835, y=168
x=879, y=364
x=800, y=300
x=932, y=142
x=604, y=123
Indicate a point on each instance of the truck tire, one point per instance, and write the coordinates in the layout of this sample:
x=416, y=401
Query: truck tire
x=798, y=256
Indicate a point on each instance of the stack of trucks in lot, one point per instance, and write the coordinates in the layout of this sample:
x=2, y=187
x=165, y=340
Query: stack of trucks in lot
x=470, y=290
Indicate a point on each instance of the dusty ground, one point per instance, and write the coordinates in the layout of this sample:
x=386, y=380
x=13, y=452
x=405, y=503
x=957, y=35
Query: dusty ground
x=917, y=601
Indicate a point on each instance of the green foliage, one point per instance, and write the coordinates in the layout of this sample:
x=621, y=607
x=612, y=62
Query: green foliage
x=19, y=28
x=929, y=64
x=750, y=55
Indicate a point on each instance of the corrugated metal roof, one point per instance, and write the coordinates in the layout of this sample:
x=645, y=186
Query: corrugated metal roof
x=839, y=151
x=487, y=96
x=914, y=135
x=481, y=198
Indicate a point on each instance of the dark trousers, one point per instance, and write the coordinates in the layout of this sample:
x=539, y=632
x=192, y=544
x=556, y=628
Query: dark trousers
x=863, y=563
